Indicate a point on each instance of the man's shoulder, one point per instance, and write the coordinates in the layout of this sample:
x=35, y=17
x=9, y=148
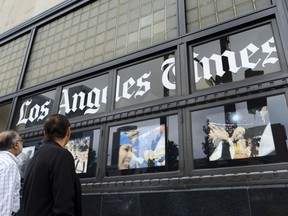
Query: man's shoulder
x=53, y=148
x=6, y=158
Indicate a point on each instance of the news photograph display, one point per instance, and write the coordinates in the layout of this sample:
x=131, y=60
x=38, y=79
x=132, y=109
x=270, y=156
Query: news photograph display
x=244, y=133
x=84, y=146
x=141, y=147
x=79, y=148
x=150, y=154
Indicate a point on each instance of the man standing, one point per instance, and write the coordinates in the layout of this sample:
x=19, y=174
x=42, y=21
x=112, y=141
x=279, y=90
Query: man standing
x=11, y=145
x=51, y=186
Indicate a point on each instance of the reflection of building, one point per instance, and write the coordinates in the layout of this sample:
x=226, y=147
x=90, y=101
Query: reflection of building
x=77, y=97
x=32, y=111
x=39, y=100
x=240, y=50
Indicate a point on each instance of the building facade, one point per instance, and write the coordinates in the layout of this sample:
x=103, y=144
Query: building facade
x=171, y=115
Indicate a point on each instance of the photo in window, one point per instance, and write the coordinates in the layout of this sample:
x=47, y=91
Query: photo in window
x=250, y=132
x=79, y=148
x=152, y=149
x=84, y=146
x=146, y=146
x=235, y=57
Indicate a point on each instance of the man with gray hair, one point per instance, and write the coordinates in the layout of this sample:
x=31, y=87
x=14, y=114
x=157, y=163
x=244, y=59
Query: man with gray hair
x=11, y=145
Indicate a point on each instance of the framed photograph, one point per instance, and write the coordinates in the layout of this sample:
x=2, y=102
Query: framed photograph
x=244, y=133
x=143, y=147
x=84, y=146
x=79, y=148
x=151, y=152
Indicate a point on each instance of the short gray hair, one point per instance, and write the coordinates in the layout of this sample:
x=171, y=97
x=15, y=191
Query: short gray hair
x=7, y=138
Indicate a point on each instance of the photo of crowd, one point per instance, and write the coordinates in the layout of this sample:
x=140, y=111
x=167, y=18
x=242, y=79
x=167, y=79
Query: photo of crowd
x=79, y=148
x=243, y=134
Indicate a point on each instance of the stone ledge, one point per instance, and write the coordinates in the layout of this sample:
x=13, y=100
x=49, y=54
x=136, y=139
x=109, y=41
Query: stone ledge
x=191, y=181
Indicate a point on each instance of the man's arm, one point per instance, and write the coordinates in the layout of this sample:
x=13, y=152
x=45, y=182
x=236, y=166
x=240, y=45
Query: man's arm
x=9, y=195
x=63, y=181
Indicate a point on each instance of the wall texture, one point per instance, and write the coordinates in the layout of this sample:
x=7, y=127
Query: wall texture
x=25, y=9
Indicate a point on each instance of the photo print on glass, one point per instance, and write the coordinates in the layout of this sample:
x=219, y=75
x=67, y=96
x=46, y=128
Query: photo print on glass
x=143, y=147
x=79, y=148
x=84, y=149
x=250, y=132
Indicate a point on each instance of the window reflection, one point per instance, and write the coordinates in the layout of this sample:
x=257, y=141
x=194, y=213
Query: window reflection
x=143, y=147
x=32, y=111
x=4, y=110
x=235, y=57
x=28, y=151
x=251, y=132
x=152, y=80
x=83, y=98
x=82, y=145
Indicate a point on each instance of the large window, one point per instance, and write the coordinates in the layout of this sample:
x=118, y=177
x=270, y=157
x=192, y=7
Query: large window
x=143, y=147
x=82, y=145
x=244, y=133
x=96, y=33
x=28, y=151
x=4, y=110
x=148, y=81
x=201, y=14
x=235, y=57
x=86, y=97
x=31, y=111
x=11, y=59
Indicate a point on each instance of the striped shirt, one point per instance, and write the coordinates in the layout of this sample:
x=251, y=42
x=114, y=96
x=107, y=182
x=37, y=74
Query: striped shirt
x=9, y=184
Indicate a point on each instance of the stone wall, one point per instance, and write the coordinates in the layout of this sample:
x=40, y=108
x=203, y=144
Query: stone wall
x=15, y=12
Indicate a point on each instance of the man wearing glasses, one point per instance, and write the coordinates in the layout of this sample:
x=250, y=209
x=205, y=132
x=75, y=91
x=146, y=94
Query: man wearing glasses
x=11, y=145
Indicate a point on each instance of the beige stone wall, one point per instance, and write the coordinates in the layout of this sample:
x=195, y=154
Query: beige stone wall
x=15, y=12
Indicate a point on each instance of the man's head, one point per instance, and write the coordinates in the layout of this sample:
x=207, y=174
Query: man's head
x=11, y=141
x=57, y=128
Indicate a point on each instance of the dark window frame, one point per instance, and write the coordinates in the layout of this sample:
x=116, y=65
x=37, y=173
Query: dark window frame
x=17, y=109
x=104, y=149
x=234, y=169
x=232, y=31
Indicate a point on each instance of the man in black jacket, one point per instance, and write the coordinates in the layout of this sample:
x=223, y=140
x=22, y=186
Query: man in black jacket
x=51, y=186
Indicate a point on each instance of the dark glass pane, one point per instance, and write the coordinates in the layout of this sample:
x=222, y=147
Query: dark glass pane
x=152, y=80
x=235, y=57
x=244, y=133
x=29, y=149
x=143, y=147
x=32, y=111
x=84, y=147
x=4, y=110
x=83, y=98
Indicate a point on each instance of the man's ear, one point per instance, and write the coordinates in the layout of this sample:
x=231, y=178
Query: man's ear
x=68, y=132
x=14, y=149
x=15, y=146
